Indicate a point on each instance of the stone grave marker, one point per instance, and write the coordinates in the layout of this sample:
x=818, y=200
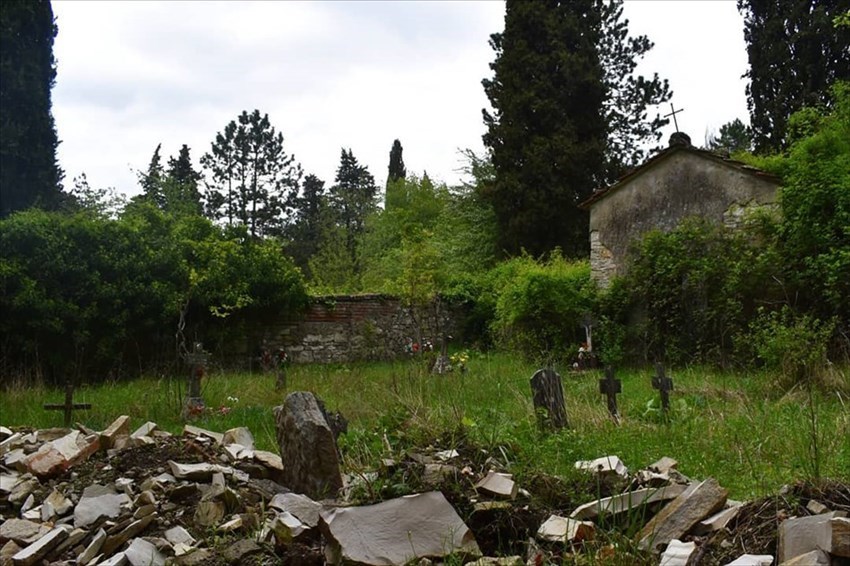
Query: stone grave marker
x=664, y=384
x=548, y=394
x=68, y=406
x=609, y=387
x=197, y=360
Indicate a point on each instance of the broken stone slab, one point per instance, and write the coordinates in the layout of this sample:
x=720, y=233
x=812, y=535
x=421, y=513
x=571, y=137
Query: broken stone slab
x=11, y=441
x=302, y=507
x=5, y=432
x=75, y=537
x=565, y=530
x=680, y=515
x=717, y=521
x=61, y=505
x=239, y=435
x=435, y=474
x=604, y=466
x=114, y=542
x=231, y=525
x=8, y=481
x=14, y=460
x=178, y=534
x=209, y=513
x=237, y=552
x=813, y=558
x=496, y=484
x=119, y=427
x=396, y=531
x=286, y=527
x=446, y=455
x=269, y=459
x=190, y=430
x=21, y=531
x=664, y=465
x=497, y=561
x=623, y=502
x=677, y=553
x=840, y=536
x=800, y=535
x=197, y=472
x=119, y=559
x=144, y=430
x=7, y=551
x=196, y=557
x=39, y=549
x=308, y=446
x=93, y=548
x=99, y=502
x=22, y=489
x=56, y=456
x=816, y=507
x=143, y=553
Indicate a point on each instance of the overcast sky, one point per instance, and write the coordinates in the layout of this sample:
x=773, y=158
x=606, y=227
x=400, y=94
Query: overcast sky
x=332, y=74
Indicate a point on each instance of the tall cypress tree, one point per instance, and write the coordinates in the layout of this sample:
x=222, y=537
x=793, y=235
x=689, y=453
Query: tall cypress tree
x=29, y=172
x=547, y=131
x=352, y=198
x=796, y=52
x=397, y=169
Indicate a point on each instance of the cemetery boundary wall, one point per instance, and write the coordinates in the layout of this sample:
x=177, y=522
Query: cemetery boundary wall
x=349, y=328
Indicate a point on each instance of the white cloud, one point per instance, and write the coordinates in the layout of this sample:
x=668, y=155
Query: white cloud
x=330, y=75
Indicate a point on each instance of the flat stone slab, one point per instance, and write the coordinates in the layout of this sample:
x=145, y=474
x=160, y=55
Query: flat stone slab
x=39, y=549
x=800, y=535
x=397, y=531
x=563, y=529
x=197, y=472
x=99, y=502
x=496, y=484
x=302, y=507
x=623, y=502
x=813, y=558
x=21, y=531
x=677, y=553
x=680, y=515
x=142, y=553
x=604, y=466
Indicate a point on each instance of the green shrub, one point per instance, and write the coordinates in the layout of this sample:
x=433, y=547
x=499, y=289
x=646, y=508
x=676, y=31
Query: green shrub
x=540, y=306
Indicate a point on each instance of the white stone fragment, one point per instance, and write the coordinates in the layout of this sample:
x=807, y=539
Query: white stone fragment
x=677, y=553
x=606, y=465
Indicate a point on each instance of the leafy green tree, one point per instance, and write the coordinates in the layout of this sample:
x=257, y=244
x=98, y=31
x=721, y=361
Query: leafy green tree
x=795, y=52
x=29, y=172
x=396, y=168
x=547, y=131
x=352, y=198
x=628, y=97
x=733, y=137
x=105, y=203
x=253, y=181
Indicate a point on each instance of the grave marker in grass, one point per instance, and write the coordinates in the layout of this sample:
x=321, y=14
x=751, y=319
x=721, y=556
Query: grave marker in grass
x=548, y=395
x=610, y=387
x=68, y=406
x=664, y=384
x=197, y=360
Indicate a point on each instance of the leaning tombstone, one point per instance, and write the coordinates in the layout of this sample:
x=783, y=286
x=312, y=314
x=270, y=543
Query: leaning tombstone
x=548, y=394
x=197, y=360
x=307, y=447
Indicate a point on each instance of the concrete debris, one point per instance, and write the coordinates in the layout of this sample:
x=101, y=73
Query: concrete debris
x=677, y=553
x=562, y=529
x=604, y=466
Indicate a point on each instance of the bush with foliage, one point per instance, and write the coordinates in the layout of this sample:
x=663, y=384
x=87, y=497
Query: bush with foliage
x=84, y=293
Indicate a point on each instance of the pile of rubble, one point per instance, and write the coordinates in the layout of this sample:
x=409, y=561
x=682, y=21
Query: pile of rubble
x=147, y=498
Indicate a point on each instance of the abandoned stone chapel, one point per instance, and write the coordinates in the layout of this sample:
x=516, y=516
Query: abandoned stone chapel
x=678, y=182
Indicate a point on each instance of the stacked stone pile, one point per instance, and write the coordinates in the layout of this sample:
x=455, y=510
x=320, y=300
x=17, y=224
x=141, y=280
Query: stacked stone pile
x=145, y=497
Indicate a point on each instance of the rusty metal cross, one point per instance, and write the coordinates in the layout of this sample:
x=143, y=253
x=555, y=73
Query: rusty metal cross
x=664, y=384
x=610, y=387
x=68, y=406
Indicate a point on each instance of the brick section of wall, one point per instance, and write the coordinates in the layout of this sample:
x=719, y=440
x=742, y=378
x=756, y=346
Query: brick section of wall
x=351, y=328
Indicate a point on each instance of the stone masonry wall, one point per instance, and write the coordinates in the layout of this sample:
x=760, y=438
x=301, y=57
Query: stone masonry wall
x=349, y=328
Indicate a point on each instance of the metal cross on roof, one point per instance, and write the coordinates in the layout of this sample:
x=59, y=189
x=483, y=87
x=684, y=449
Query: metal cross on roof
x=673, y=114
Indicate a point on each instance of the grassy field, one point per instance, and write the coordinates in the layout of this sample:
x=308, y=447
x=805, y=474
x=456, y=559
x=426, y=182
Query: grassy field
x=738, y=428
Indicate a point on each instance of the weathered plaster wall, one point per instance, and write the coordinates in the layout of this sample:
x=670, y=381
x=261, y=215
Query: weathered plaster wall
x=682, y=184
x=342, y=329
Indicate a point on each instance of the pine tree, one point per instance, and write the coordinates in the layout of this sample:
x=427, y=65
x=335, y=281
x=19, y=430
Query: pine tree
x=253, y=181
x=396, y=168
x=734, y=136
x=796, y=52
x=151, y=180
x=29, y=172
x=352, y=198
x=182, y=183
x=306, y=231
x=547, y=132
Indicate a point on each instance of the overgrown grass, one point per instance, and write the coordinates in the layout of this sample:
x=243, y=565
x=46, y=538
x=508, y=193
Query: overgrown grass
x=738, y=428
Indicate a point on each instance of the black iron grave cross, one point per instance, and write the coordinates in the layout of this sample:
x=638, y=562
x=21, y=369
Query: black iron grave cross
x=664, y=384
x=68, y=406
x=673, y=114
x=610, y=387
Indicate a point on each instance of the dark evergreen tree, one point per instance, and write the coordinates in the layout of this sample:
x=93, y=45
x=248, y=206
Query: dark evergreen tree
x=29, y=172
x=182, y=183
x=253, y=181
x=733, y=136
x=306, y=231
x=151, y=180
x=796, y=52
x=396, y=168
x=547, y=131
x=628, y=97
x=352, y=198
